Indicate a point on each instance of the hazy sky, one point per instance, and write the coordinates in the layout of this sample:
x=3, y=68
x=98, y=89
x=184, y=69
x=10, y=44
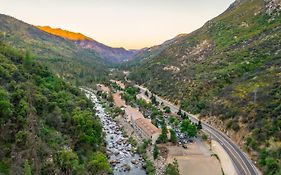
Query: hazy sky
x=132, y=24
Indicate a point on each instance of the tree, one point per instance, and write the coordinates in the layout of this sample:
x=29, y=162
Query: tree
x=167, y=109
x=163, y=137
x=172, y=169
x=199, y=125
x=188, y=128
x=149, y=168
x=173, y=136
x=192, y=130
x=155, y=152
x=28, y=60
x=98, y=164
x=179, y=112
x=68, y=161
x=5, y=104
x=154, y=100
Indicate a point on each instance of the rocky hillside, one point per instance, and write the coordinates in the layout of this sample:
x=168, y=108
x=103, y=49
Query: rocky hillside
x=115, y=55
x=229, y=71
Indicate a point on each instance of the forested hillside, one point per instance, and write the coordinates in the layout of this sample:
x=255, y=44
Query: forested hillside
x=46, y=125
x=231, y=69
x=62, y=56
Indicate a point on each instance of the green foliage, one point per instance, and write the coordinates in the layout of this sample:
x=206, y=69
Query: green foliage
x=172, y=169
x=163, y=138
x=132, y=141
x=155, y=152
x=28, y=60
x=36, y=104
x=5, y=105
x=174, y=138
x=141, y=149
x=205, y=137
x=86, y=127
x=4, y=168
x=98, y=164
x=189, y=128
x=167, y=109
x=27, y=168
x=67, y=160
x=154, y=100
x=149, y=168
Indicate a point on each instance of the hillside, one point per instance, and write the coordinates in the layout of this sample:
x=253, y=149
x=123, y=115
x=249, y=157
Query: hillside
x=114, y=55
x=64, y=33
x=46, y=125
x=62, y=56
x=228, y=71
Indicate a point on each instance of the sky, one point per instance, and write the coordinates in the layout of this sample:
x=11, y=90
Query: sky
x=132, y=24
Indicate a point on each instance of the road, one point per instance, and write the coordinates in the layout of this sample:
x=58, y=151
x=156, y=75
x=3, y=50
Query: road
x=243, y=164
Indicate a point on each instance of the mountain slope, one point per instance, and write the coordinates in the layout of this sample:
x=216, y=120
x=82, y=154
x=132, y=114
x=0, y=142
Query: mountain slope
x=46, y=125
x=115, y=55
x=64, y=33
x=62, y=56
x=230, y=69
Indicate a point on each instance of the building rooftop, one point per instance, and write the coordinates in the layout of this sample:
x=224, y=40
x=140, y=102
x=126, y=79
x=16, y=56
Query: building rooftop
x=133, y=113
x=147, y=126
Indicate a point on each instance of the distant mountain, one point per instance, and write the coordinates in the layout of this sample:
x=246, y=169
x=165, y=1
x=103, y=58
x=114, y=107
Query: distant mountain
x=228, y=71
x=115, y=55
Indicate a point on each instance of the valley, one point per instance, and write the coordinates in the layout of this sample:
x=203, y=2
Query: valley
x=207, y=102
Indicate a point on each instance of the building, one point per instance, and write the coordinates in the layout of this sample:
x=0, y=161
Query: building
x=146, y=129
x=103, y=88
x=132, y=114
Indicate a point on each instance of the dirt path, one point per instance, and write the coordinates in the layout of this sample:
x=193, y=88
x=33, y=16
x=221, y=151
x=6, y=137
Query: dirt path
x=196, y=160
x=118, y=100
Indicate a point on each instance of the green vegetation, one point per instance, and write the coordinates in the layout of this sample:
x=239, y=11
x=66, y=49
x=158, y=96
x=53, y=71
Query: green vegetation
x=205, y=136
x=141, y=150
x=174, y=138
x=129, y=94
x=46, y=124
x=172, y=168
x=167, y=109
x=149, y=168
x=163, y=138
x=188, y=128
x=132, y=141
x=155, y=152
x=229, y=68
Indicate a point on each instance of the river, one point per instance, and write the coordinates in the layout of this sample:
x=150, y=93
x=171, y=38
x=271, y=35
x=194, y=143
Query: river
x=119, y=151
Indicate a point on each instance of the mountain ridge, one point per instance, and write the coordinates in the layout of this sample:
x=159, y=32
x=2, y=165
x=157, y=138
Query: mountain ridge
x=113, y=54
x=64, y=33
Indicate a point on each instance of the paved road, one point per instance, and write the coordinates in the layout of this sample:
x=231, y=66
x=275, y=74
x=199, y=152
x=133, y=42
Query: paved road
x=243, y=164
